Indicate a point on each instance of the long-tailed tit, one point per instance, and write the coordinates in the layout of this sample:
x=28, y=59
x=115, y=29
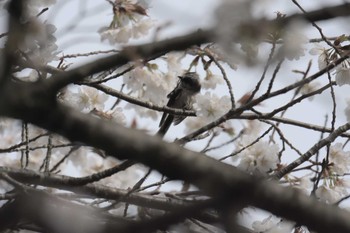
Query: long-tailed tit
x=181, y=97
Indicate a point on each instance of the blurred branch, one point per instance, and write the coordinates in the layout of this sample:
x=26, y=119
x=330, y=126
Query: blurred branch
x=324, y=13
x=164, y=221
x=217, y=179
x=15, y=36
x=92, y=190
x=156, y=49
x=153, y=49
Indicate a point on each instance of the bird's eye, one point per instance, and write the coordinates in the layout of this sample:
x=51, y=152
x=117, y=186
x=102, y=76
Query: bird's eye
x=187, y=80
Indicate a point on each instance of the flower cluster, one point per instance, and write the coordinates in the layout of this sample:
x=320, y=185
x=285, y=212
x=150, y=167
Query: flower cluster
x=211, y=80
x=208, y=107
x=272, y=224
x=294, y=41
x=333, y=189
x=85, y=99
x=339, y=159
x=329, y=56
x=129, y=21
x=149, y=84
x=89, y=100
x=258, y=157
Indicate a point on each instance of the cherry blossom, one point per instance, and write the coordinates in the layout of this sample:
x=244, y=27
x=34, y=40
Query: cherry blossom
x=211, y=106
x=258, y=158
x=211, y=80
x=328, y=56
x=322, y=53
x=293, y=41
x=85, y=99
x=332, y=190
x=129, y=21
x=342, y=76
x=272, y=224
x=347, y=110
x=339, y=158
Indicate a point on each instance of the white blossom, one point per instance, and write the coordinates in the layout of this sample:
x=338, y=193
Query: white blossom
x=322, y=55
x=342, y=76
x=86, y=99
x=116, y=35
x=40, y=44
x=194, y=123
x=150, y=85
x=339, y=159
x=129, y=21
x=327, y=194
x=304, y=184
x=143, y=112
x=97, y=99
x=347, y=110
x=293, y=41
x=282, y=227
x=332, y=190
x=173, y=60
x=79, y=157
x=258, y=158
x=252, y=129
x=250, y=47
x=211, y=80
x=210, y=106
x=135, y=79
x=156, y=87
x=142, y=28
x=328, y=56
x=118, y=115
x=265, y=224
x=32, y=77
x=273, y=224
x=230, y=15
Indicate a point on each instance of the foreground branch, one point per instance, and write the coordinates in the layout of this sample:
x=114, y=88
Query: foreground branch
x=215, y=178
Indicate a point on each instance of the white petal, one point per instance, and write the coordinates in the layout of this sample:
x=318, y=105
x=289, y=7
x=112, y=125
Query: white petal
x=343, y=76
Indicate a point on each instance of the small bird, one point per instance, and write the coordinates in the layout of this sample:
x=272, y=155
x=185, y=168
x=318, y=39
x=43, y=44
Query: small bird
x=181, y=97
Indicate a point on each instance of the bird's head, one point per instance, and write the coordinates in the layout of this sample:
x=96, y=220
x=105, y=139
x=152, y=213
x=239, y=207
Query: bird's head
x=190, y=82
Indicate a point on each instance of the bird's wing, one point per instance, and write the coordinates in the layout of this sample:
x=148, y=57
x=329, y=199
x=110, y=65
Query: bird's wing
x=173, y=96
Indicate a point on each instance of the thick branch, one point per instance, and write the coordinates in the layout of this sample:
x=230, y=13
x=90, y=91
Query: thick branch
x=217, y=179
x=313, y=150
x=153, y=49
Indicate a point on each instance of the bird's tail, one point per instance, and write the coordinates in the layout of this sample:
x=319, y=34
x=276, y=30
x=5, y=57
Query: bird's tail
x=165, y=126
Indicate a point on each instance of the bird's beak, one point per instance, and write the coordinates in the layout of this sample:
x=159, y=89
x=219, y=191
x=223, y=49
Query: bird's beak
x=180, y=77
